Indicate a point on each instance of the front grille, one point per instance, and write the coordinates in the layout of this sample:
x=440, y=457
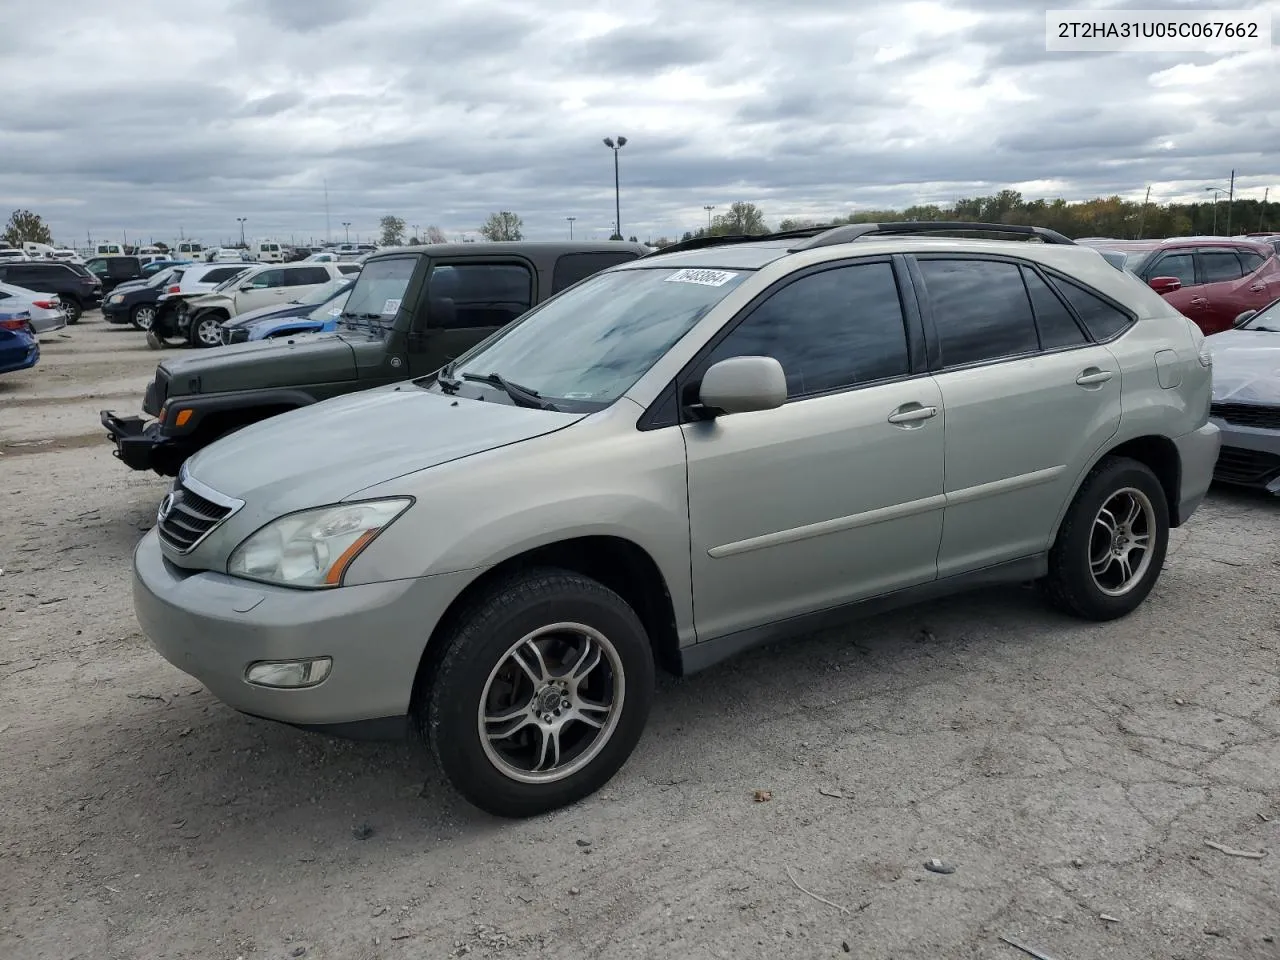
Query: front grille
x=1247, y=415
x=1252, y=467
x=186, y=517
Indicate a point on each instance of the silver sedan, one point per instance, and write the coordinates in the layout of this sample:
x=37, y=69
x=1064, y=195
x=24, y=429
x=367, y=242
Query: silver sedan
x=47, y=311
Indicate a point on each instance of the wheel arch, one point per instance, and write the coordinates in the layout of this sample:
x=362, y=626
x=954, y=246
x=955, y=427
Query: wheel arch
x=1155, y=451
x=618, y=563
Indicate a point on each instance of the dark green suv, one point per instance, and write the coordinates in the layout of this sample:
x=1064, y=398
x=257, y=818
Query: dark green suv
x=411, y=311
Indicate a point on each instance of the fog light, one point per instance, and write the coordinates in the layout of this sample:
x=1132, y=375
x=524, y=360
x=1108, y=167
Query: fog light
x=289, y=673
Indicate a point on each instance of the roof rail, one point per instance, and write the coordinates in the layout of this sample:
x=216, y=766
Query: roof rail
x=853, y=231
x=697, y=243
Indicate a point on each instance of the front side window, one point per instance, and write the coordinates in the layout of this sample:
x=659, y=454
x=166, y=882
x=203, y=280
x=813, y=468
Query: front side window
x=1178, y=265
x=1219, y=266
x=828, y=330
x=267, y=279
x=478, y=295
x=591, y=343
x=980, y=309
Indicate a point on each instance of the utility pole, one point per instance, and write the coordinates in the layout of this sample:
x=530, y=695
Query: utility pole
x=1231, y=195
x=571, y=219
x=1262, y=212
x=346, y=226
x=1143, y=218
x=709, y=207
x=617, y=190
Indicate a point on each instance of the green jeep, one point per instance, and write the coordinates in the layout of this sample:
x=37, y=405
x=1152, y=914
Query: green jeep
x=410, y=312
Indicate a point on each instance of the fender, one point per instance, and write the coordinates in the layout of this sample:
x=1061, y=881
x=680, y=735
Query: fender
x=202, y=405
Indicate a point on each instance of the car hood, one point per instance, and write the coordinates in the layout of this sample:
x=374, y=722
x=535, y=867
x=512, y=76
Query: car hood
x=262, y=313
x=1246, y=366
x=332, y=450
x=263, y=364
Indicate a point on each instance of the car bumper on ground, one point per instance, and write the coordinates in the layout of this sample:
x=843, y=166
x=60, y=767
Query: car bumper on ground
x=140, y=445
x=1197, y=452
x=214, y=627
x=1250, y=456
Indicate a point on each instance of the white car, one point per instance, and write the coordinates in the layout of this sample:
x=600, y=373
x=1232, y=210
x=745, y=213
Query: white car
x=47, y=312
x=9, y=254
x=260, y=287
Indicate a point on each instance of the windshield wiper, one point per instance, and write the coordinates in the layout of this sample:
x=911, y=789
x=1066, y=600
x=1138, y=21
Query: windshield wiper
x=523, y=396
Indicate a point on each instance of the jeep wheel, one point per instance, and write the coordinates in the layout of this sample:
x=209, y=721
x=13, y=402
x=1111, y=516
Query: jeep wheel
x=74, y=309
x=143, y=316
x=1111, y=547
x=539, y=693
x=206, y=330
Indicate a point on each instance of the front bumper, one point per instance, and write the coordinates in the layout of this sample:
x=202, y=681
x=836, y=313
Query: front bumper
x=1250, y=457
x=140, y=445
x=213, y=627
x=1197, y=452
x=115, y=312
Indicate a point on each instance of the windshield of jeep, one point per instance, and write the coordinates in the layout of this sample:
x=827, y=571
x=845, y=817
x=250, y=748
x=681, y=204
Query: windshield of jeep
x=375, y=297
x=588, y=345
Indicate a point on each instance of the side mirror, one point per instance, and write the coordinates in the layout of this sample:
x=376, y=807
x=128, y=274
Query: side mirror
x=1164, y=284
x=1243, y=318
x=743, y=385
x=246, y=288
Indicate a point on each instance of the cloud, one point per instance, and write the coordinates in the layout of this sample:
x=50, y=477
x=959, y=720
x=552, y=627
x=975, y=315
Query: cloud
x=443, y=113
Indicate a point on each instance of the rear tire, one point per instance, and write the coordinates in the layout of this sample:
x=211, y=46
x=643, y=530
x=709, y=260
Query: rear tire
x=1111, y=547
x=538, y=692
x=74, y=310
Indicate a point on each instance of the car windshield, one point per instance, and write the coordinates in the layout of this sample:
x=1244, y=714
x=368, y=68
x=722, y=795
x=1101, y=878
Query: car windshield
x=591, y=343
x=331, y=310
x=1266, y=320
x=324, y=293
x=231, y=280
x=375, y=296
x=160, y=278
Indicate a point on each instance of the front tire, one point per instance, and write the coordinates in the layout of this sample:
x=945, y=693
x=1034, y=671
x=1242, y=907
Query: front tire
x=1112, y=543
x=206, y=330
x=143, y=316
x=539, y=694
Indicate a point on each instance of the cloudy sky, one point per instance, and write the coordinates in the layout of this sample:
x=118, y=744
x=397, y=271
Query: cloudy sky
x=152, y=117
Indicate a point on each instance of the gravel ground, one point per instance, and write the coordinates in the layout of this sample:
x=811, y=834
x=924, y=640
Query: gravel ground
x=1068, y=771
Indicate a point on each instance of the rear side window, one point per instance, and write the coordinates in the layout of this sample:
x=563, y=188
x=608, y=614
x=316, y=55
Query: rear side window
x=218, y=275
x=306, y=276
x=478, y=295
x=980, y=309
x=1102, y=320
x=1250, y=260
x=829, y=330
x=572, y=267
x=1219, y=266
x=1179, y=265
x=1056, y=325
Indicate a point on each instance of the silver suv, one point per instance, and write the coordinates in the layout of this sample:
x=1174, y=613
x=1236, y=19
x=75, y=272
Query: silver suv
x=670, y=462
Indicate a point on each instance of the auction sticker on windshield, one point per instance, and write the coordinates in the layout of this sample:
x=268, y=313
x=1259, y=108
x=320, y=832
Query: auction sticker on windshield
x=708, y=278
x=390, y=307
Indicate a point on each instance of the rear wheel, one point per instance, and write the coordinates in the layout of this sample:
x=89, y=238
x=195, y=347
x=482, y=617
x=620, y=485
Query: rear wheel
x=74, y=309
x=1111, y=547
x=539, y=694
x=143, y=316
x=206, y=329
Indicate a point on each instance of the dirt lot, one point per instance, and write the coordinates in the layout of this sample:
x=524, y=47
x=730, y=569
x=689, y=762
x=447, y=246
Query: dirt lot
x=1067, y=771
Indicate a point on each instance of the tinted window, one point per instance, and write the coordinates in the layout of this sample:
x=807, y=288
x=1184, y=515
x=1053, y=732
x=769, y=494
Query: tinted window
x=1219, y=266
x=218, y=275
x=1054, y=321
x=1101, y=319
x=1250, y=260
x=1178, y=265
x=119, y=267
x=980, y=309
x=268, y=278
x=573, y=267
x=469, y=295
x=828, y=330
x=306, y=276
x=350, y=268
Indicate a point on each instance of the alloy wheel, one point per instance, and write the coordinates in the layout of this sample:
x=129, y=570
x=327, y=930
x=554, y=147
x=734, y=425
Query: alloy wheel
x=144, y=317
x=552, y=703
x=1120, y=542
x=208, y=331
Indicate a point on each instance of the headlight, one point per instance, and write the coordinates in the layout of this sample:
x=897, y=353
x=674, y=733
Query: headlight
x=313, y=548
x=117, y=298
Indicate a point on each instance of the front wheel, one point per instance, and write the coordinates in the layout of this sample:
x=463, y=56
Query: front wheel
x=540, y=693
x=206, y=330
x=1111, y=547
x=143, y=316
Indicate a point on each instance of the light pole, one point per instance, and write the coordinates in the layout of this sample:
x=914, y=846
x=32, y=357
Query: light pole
x=1216, y=192
x=617, y=191
x=709, y=207
x=242, y=220
x=346, y=226
x=416, y=233
x=571, y=219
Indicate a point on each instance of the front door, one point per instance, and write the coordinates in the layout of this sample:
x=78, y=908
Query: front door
x=835, y=496
x=265, y=289
x=466, y=301
x=1029, y=400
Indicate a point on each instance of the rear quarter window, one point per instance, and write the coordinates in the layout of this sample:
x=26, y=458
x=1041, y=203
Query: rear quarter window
x=1102, y=319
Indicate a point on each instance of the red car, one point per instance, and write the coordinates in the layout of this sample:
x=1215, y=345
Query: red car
x=1211, y=280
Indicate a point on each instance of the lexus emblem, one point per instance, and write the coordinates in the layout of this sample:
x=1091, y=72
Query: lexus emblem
x=166, y=507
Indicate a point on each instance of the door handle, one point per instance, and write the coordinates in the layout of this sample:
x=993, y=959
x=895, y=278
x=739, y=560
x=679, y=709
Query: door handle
x=1258, y=286
x=1199, y=301
x=912, y=414
x=1093, y=377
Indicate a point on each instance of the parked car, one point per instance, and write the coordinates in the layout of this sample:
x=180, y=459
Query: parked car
x=237, y=329
x=260, y=286
x=197, y=280
x=115, y=270
x=44, y=310
x=1210, y=280
x=137, y=303
x=457, y=294
x=704, y=450
x=77, y=289
x=321, y=319
x=19, y=345
x=1246, y=399
x=12, y=254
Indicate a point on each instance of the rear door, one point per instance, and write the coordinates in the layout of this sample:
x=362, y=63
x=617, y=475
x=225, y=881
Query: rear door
x=1029, y=399
x=1218, y=272
x=466, y=301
